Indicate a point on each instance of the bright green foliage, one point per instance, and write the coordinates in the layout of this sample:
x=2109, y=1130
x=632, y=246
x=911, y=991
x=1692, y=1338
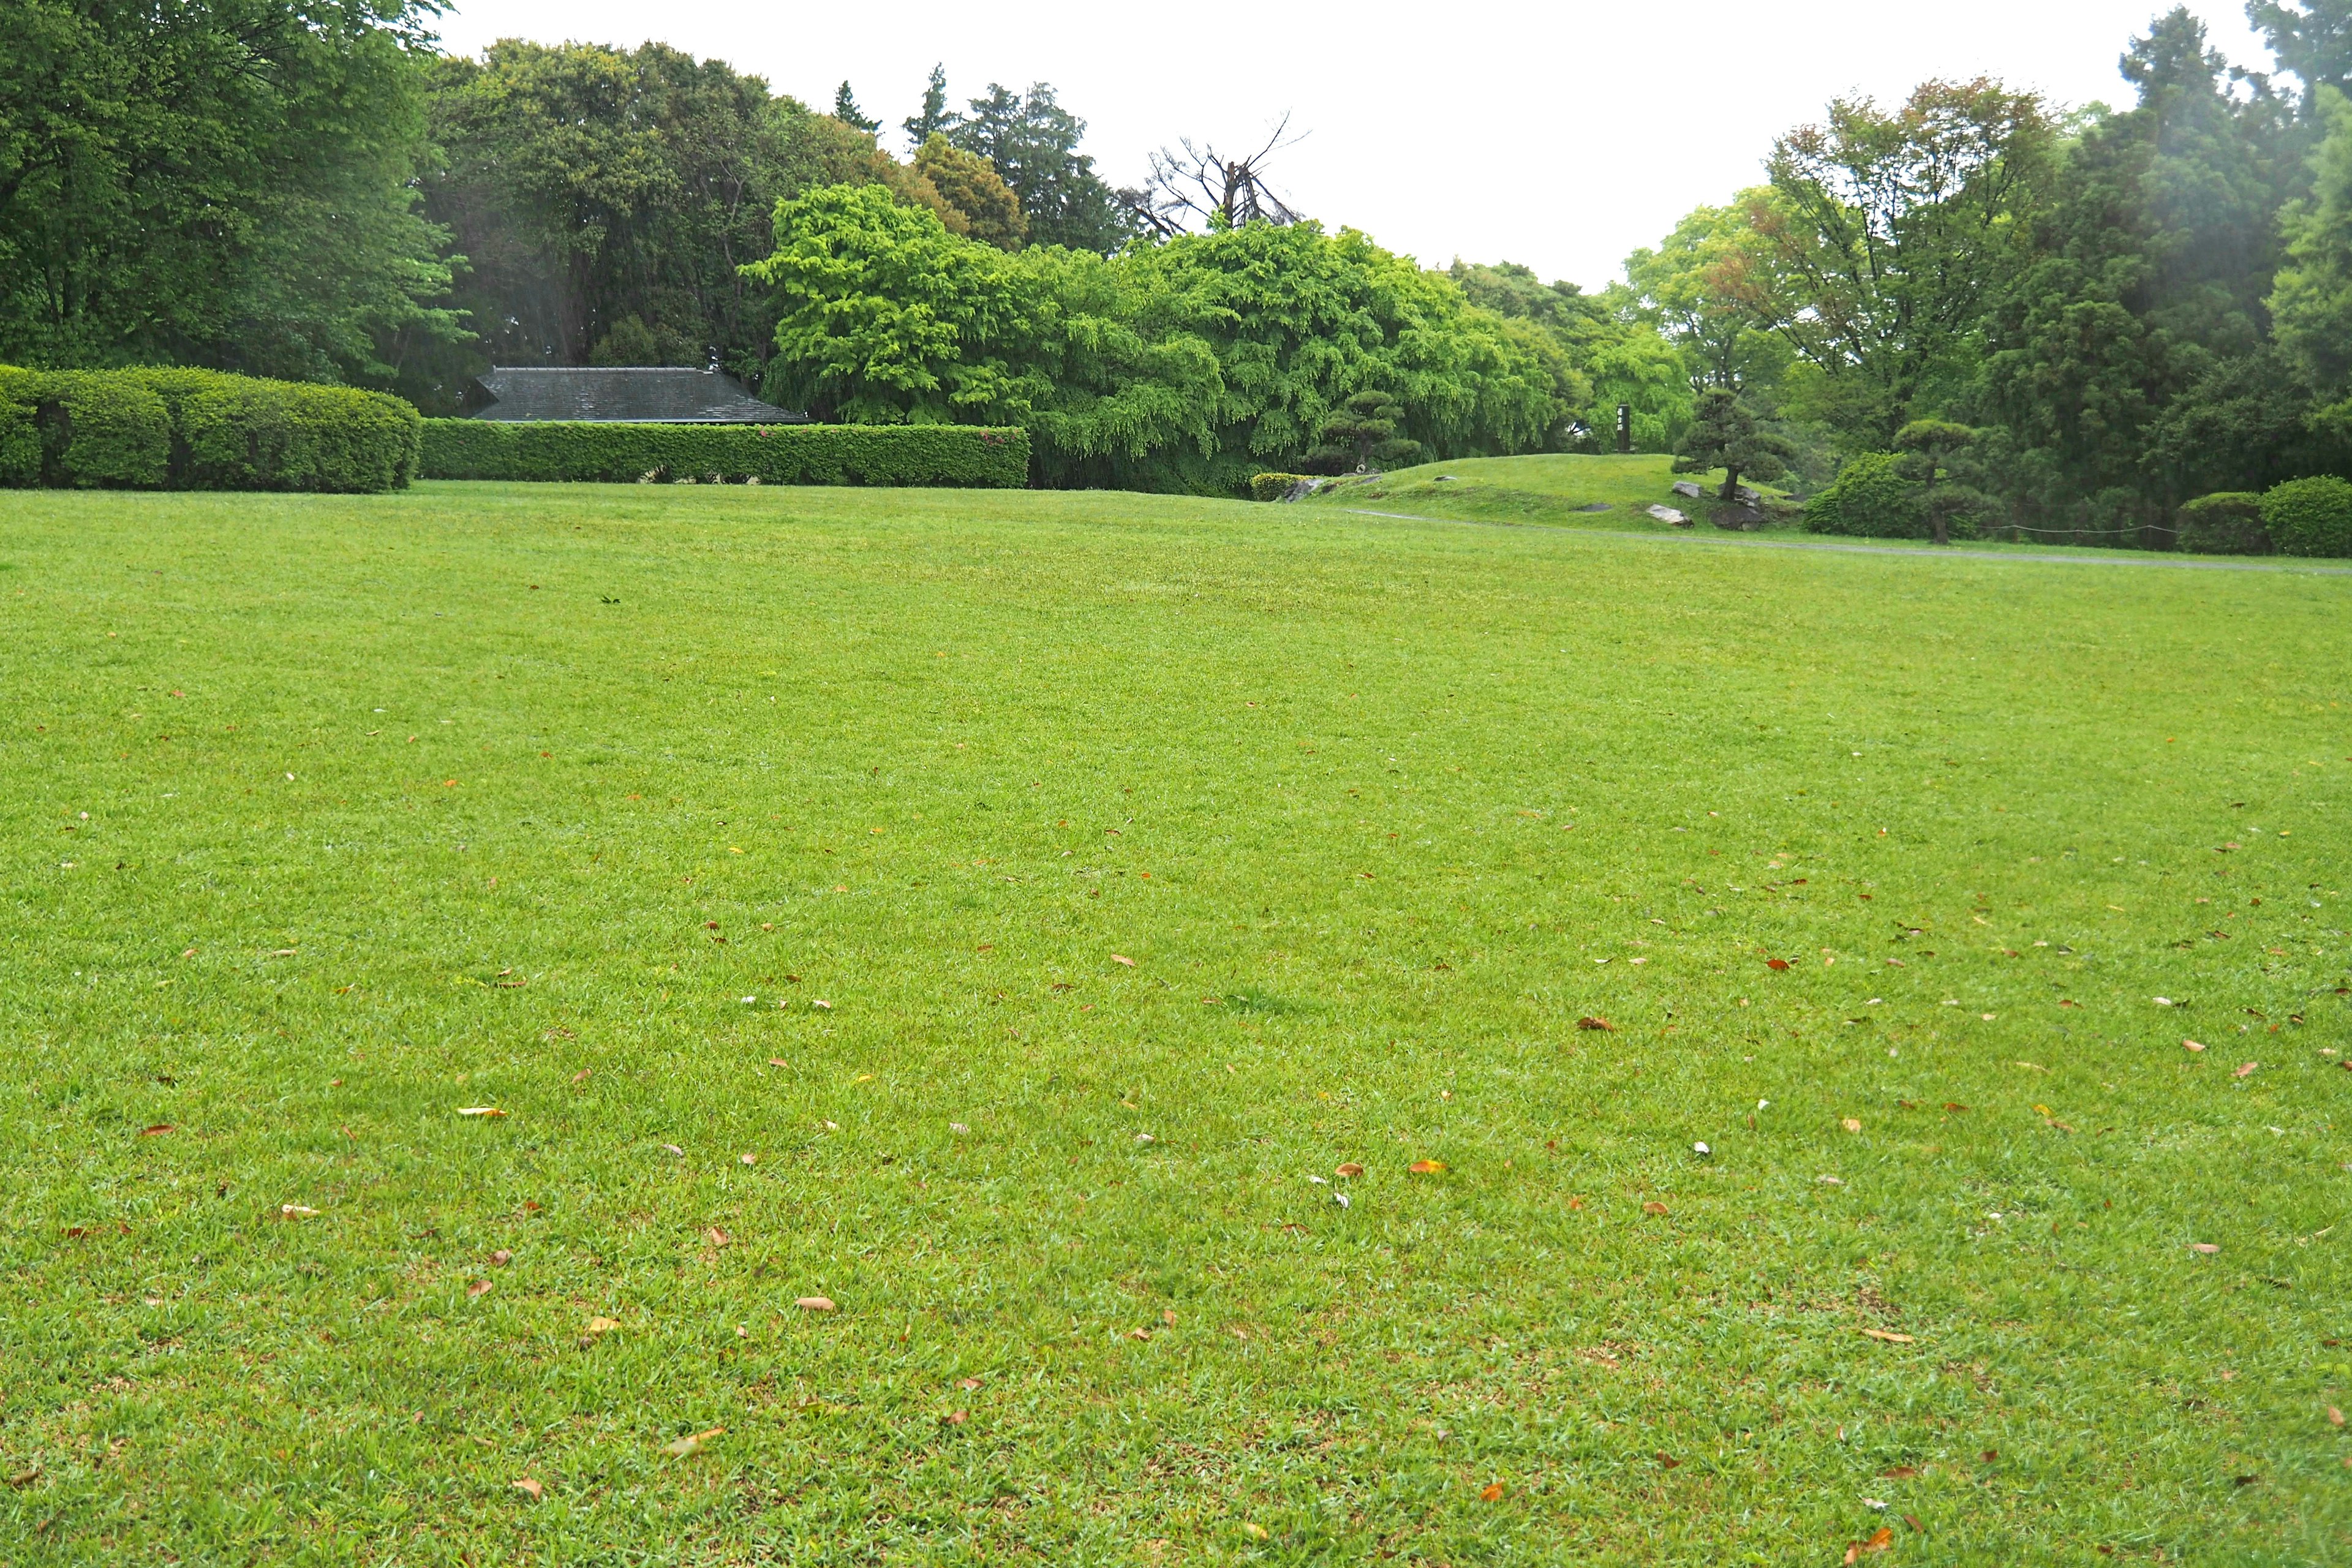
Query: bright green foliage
x=2310, y=516
x=1033, y=142
x=1726, y=433
x=1599, y=352
x=968, y=457
x=2312, y=305
x=219, y=182
x=1872, y=498
x=1187, y=365
x=969, y=183
x=1584, y=746
x=1360, y=433
x=198, y=429
x=884, y=317
x=1712, y=289
x=2226, y=523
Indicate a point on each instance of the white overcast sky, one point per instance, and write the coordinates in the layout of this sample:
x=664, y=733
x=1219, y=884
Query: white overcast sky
x=1560, y=135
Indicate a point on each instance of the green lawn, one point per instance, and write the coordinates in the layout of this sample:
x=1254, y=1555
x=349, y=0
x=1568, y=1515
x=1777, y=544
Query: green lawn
x=994, y=912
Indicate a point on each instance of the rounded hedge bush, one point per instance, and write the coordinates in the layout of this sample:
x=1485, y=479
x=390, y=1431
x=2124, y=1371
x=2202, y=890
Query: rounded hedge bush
x=2226, y=523
x=2310, y=516
x=1870, y=499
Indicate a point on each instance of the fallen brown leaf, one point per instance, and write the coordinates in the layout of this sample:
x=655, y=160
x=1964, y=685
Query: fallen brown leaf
x=501, y=1257
x=956, y=1418
x=2246, y=1070
x=1122, y=958
x=1603, y=1024
x=28, y=1475
x=480, y=1110
x=814, y=1303
x=716, y=1236
x=1899, y=1473
x=1350, y=1169
x=968, y=1383
x=2206, y=1247
x=682, y=1447
x=581, y=1075
x=1889, y=1336
x=2191, y=1046
x=1880, y=1541
x=161, y=1126
x=778, y=1062
x=478, y=1288
x=1654, y=1206
x=1491, y=1492
x=1427, y=1167
x=1851, y=1125
x=530, y=1486
x=1776, y=963
x=1668, y=1460
x=1954, y=1105
x=2334, y=1417
x=1913, y=1520
x=297, y=1211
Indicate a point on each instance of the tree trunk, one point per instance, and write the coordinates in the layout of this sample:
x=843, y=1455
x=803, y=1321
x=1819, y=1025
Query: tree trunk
x=1731, y=491
x=1939, y=521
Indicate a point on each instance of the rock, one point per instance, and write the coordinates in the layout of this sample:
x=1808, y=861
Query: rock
x=1304, y=488
x=1688, y=490
x=1668, y=514
x=1739, y=518
x=1751, y=497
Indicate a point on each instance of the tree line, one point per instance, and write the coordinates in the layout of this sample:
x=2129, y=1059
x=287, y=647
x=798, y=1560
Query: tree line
x=2071, y=320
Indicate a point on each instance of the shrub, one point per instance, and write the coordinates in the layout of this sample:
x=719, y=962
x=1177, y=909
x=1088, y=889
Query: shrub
x=1276, y=487
x=103, y=430
x=2310, y=516
x=2229, y=523
x=971, y=455
x=200, y=429
x=20, y=431
x=1870, y=498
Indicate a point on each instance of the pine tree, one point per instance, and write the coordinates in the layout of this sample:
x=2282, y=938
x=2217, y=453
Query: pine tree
x=1364, y=429
x=1724, y=434
x=935, y=118
x=846, y=109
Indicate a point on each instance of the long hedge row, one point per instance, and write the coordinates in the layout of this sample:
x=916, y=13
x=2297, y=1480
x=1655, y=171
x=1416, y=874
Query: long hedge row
x=200, y=429
x=966, y=455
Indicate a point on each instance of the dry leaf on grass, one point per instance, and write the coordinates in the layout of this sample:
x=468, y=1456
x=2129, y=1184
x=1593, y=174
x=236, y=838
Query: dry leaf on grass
x=501, y=1257
x=968, y=1383
x=1899, y=1473
x=1889, y=1336
x=28, y=1475
x=2206, y=1247
x=2191, y=1046
x=297, y=1211
x=716, y=1236
x=1601, y=1024
x=956, y=1418
x=1654, y=1206
x=778, y=1062
x=1668, y=1461
x=1427, y=1167
x=158, y=1130
x=1880, y=1541
x=1776, y=963
x=1491, y=1492
x=597, y=1328
x=528, y=1486
x=814, y=1303
x=478, y=1288
x=1851, y=1125
x=2246, y=1070
x=682, y=1447
x=1350, y=1169
x=2334, y=1417
x=1122, y=958
x=480, y=1110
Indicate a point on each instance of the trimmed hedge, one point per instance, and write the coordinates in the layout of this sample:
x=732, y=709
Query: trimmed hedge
x=970, y=455
x=2228, y=523
x=200, y=429
x=1281, y=486
x=2310, y=516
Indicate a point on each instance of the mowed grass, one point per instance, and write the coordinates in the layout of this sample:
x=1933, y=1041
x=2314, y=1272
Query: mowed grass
x=773, y=861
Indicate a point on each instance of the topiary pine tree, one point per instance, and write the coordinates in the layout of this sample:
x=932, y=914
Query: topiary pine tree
x=1928, y=447
x=1363, y=428
x=1723, y=434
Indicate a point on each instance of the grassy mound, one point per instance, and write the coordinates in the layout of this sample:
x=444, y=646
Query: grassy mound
x=830, y=1026
x=1562, y=491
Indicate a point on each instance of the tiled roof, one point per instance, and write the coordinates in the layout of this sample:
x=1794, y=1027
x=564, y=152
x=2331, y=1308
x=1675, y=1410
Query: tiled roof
x=634, y=395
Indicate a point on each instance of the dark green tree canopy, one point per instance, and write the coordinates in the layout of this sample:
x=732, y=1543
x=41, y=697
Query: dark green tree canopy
x=846, y=109
x=1360, y=432
x=1726, y=433
x=1034, y=142
x=935, y=118
x=2313, y=39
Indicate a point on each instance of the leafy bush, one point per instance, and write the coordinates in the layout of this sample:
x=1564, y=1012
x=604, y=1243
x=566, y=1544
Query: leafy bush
x=1870, y=499
x=1276, y=487
x=2229, y=523
x=971, y=455
x=2310, y=516
x=200, y=429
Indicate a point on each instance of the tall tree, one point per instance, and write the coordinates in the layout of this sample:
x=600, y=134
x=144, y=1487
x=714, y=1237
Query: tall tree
x=1726, y=433
x=2314, y=301
x=2150, y=263
x=935, y=118
x=1889, y=230
x=1033, y=142
x=969, y=184
x=224, y=183
x=2313, y=39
